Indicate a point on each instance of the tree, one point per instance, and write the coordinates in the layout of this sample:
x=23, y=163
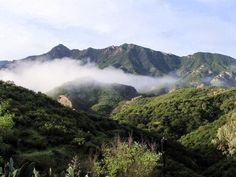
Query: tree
x=6, y=121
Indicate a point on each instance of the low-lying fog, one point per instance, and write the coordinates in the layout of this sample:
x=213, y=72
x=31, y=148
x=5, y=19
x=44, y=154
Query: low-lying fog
x=44, y=76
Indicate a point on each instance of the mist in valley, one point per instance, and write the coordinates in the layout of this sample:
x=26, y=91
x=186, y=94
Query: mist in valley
x=45, y=75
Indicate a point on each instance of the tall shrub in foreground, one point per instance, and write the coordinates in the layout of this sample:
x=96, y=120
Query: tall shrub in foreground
x=126, y=159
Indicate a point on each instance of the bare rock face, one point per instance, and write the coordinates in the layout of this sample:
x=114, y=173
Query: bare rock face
x=64, y=101
x=200, y=86
x=225, y=79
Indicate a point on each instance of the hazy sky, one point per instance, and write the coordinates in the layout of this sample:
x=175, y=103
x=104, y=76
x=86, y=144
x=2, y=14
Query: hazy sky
x=182, y=27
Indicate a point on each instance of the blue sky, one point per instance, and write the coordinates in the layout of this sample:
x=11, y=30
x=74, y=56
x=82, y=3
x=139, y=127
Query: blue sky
x=182, y=27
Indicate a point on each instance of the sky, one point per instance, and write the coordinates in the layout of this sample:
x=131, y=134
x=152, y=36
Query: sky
x=181, y=27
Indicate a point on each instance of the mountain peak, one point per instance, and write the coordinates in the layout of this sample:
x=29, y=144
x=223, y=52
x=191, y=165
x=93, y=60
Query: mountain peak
x=60, y=46
x=126, y=45
x=59, y=51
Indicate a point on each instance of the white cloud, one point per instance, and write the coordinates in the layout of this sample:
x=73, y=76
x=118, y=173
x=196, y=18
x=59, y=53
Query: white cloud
x=16, y=39
x=44, y=76
x=180, y=27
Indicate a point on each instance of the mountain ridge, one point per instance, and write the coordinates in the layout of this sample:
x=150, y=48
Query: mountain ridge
x=200, y=67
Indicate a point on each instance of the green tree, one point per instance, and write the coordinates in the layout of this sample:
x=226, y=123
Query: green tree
x=6, y=121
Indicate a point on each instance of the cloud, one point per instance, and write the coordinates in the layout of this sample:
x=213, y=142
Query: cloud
x=44, y=76
x=181, y=27
x=17, y=40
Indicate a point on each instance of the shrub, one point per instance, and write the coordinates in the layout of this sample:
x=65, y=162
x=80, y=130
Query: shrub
x=126, y=159
x=6, y=122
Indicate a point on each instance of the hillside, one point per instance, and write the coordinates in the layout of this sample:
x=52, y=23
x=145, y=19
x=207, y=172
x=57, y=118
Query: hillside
x=49, y=134
x=206, y=67
x=89, y=95
x=200, y=140
x=193, y=116
x=178, y=112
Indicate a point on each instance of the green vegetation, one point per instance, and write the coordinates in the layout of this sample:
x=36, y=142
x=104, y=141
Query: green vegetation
x=44, y=136
x=6, y=122
x=120, y=159
x=140, y=60
x=200, y=66
x=92, y=96
x=27, y=170
x=226, y=137
x=195, y=117
x=176, y=113
x=49, y=134
x=35, y=128
x=127, y=159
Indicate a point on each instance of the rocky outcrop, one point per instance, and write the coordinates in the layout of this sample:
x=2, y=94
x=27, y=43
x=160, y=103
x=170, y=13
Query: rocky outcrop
x=224, y=79
x=64, y=101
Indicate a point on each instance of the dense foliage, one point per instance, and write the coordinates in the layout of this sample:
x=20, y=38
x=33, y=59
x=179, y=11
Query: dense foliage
x=6, y=122
x=195, y=117
x=127, y=159
x=176, y=113
x=122, y=159
x=46, y=132
x=49, y=134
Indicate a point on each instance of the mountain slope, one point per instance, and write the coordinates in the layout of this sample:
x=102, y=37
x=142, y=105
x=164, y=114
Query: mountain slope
x=200, y=141
x=3, y=63
x=178, y=112
x=49, y=134
x=89, y=95
x=192, y=116
x=131, y=58
x=205, y=66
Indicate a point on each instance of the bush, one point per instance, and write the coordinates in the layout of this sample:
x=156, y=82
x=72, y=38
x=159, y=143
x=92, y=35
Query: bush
x=126, y=159
x=6, y=122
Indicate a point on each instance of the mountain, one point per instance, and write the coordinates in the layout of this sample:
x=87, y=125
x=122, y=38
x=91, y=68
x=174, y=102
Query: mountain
x=90, y=95
x=203, y=67
x=192, y=69
x=132, y=59
x=3, y=63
